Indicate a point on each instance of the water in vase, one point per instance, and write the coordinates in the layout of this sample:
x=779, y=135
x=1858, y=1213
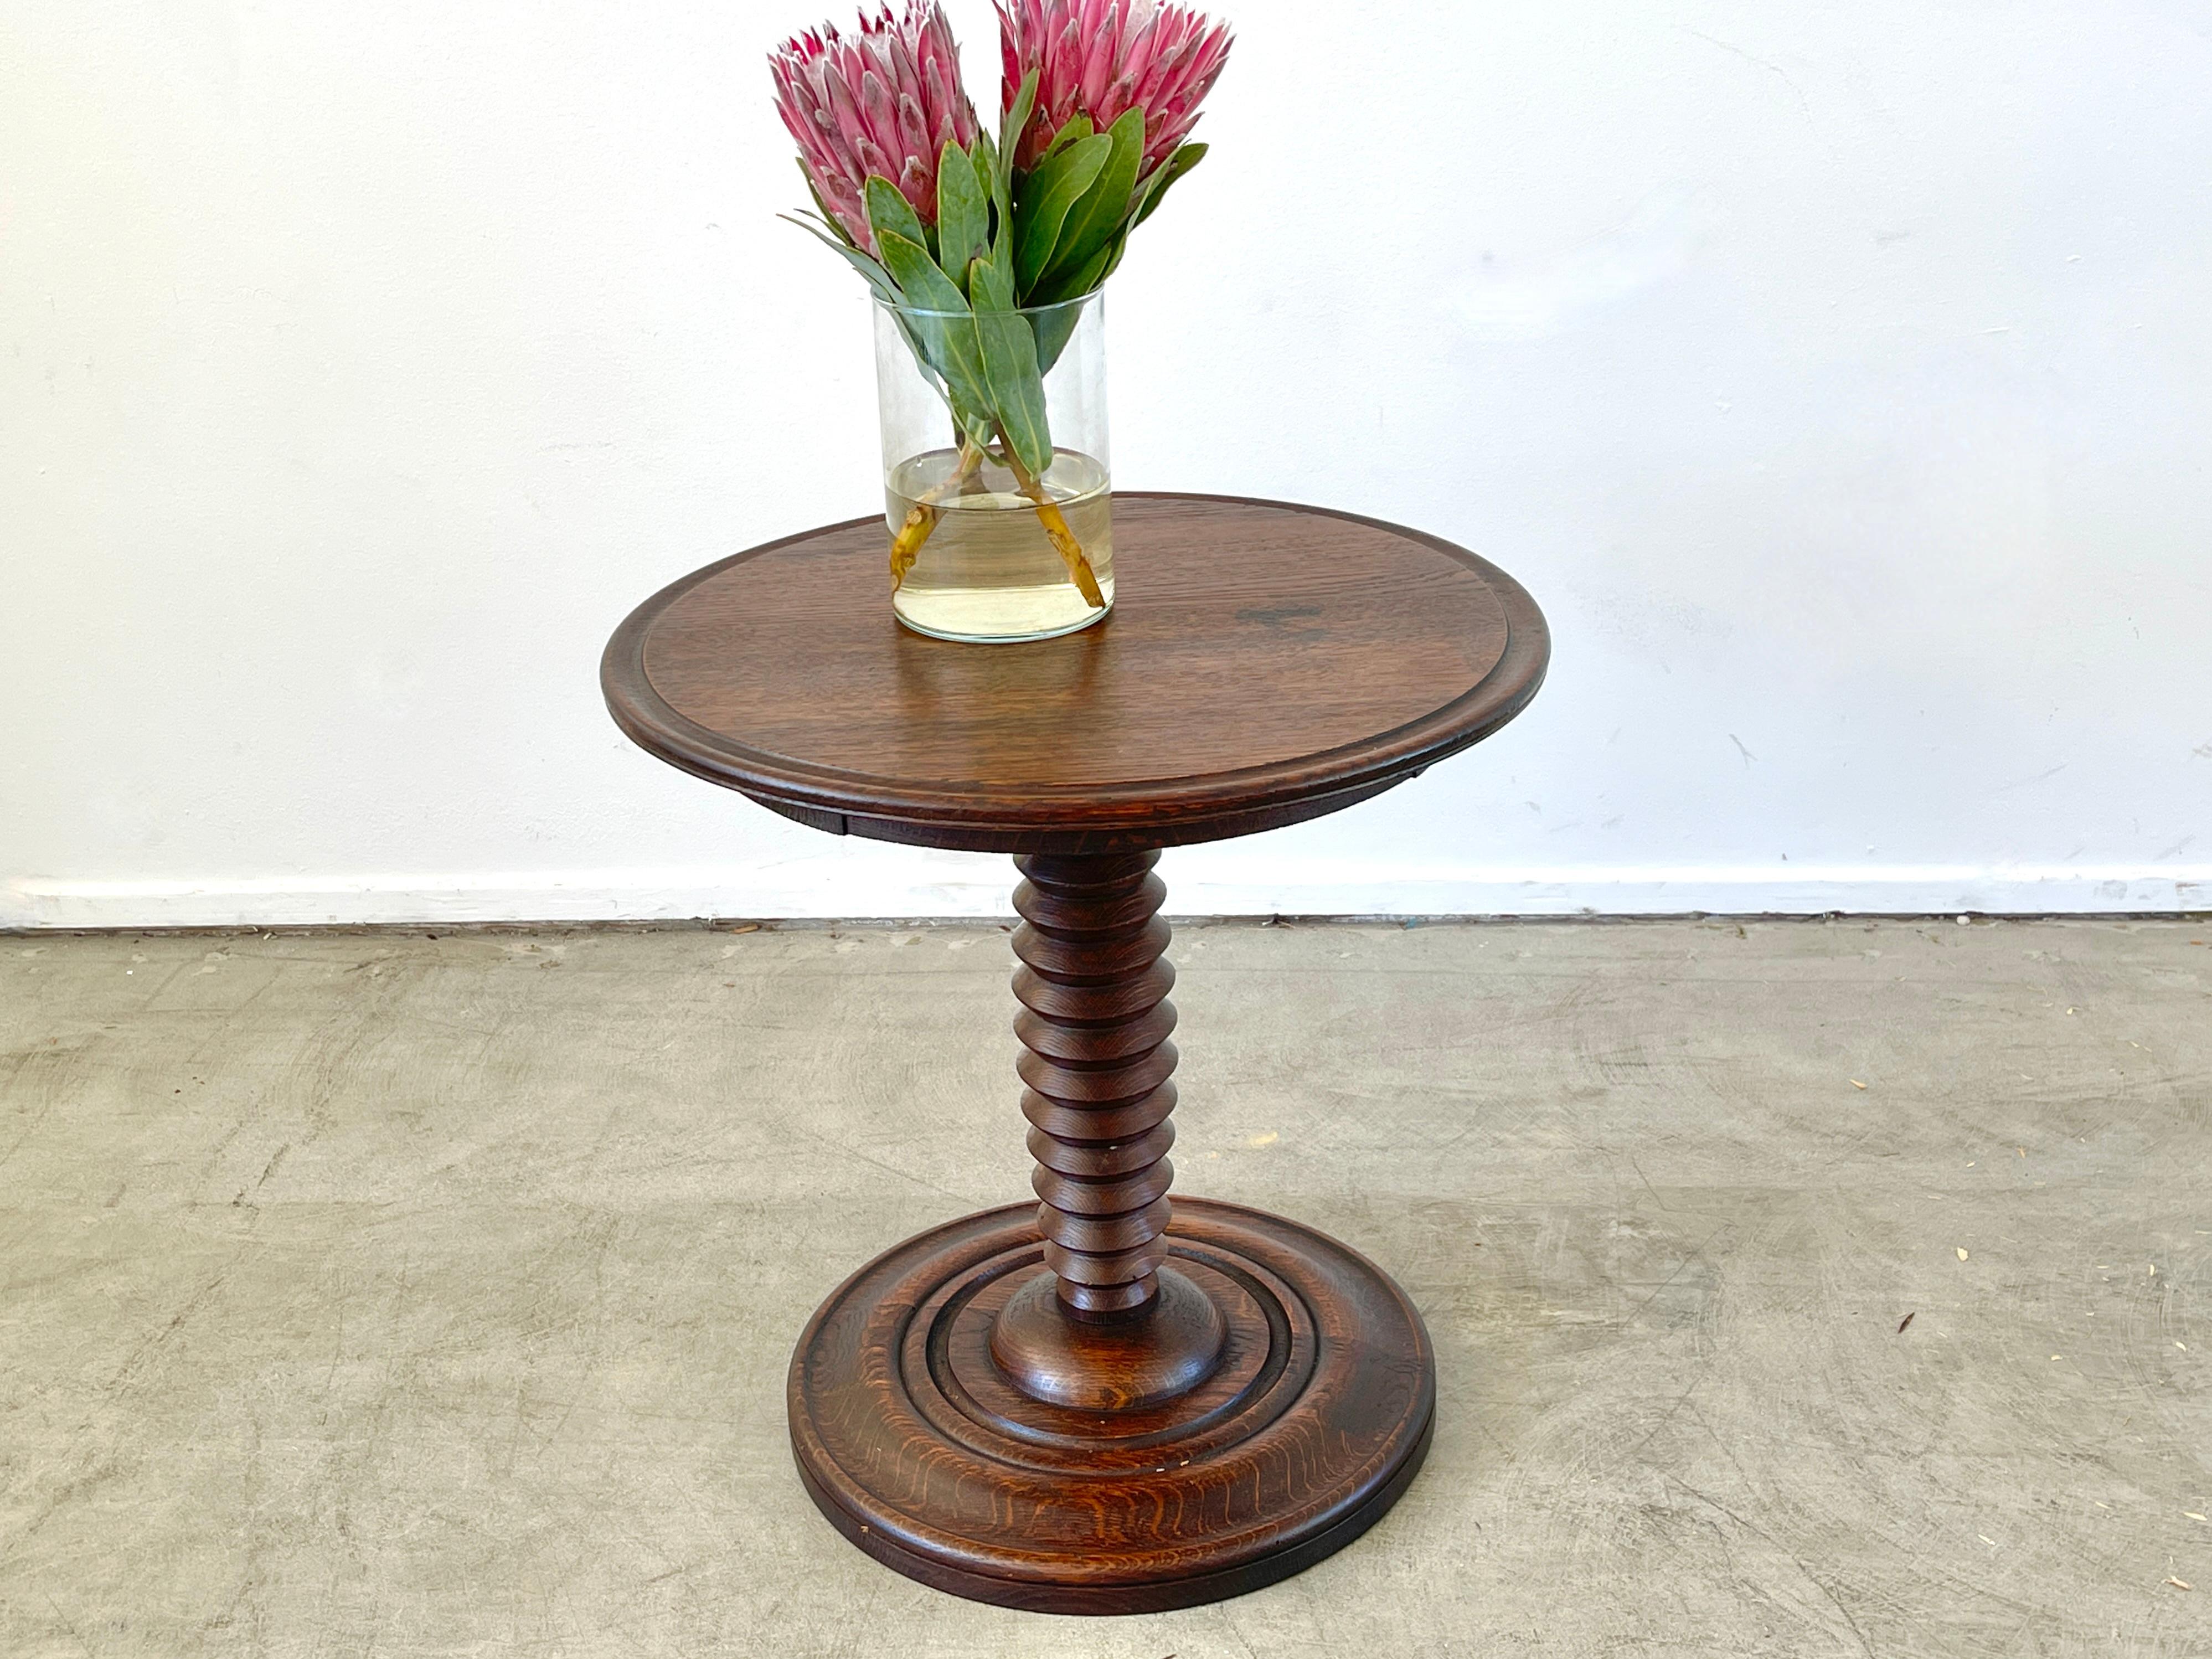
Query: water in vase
x=991, y=562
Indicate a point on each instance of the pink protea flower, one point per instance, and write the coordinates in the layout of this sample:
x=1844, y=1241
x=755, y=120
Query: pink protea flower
x=1103, y=57
x=881, y=104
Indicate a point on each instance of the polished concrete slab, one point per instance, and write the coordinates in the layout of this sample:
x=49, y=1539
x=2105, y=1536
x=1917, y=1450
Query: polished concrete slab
x=1798, y=1288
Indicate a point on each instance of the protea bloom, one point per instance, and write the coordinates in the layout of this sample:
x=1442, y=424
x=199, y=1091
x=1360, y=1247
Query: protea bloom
x=884, y=103
x=1102, y=58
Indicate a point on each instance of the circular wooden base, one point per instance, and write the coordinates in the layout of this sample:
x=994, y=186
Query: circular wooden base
x=914, y=1443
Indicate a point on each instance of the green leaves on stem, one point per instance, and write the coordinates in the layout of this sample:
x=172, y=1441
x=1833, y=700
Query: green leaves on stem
x=1010, y=366
x=975, y=293
x=964, y=210
x=939, y=325
x=1077, y=244
x=1046, y=198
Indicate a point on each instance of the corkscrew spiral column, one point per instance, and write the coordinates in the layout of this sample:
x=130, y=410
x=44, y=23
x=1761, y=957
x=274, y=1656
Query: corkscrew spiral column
x=1105, y=1326
x=1097, y=1064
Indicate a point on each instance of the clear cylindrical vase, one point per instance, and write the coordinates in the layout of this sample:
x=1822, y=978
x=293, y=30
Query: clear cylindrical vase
x=995, y=489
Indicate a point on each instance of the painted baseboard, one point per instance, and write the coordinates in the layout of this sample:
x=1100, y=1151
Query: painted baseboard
x=1209, y=883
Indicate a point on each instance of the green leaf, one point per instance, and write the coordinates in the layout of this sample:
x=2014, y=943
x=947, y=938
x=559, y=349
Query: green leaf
x=1009, y=133
x=1079, y=126
x=1010, y=366
x=1103, y=206
x=1002, y=202
x=964, y=211
x=1185, y=158
x=947, y=338
x=985, y=158
x=1047, y=196
x=878, y=277
x=992, y=292
x=926, y=287
x=889, y=213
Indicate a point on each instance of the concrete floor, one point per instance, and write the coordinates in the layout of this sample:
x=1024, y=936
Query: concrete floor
x=378, y=1294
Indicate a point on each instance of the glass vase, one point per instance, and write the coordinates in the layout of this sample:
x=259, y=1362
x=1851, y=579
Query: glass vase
x=995, y=490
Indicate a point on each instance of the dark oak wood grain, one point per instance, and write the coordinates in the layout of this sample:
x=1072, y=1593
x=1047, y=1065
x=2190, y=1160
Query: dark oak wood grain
x=1113, y=1400
x=1264, y=663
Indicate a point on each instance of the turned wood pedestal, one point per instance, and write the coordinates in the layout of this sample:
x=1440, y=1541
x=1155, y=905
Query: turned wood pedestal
x=1109, y=1401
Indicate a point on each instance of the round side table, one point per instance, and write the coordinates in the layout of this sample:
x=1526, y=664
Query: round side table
x=1107, y=1401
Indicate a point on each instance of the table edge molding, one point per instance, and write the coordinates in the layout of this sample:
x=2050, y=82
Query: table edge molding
x=994, y=817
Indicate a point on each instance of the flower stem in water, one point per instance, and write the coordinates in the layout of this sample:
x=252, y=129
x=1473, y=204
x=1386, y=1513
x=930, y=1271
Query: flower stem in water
x=1057, y=532
x=921, y=518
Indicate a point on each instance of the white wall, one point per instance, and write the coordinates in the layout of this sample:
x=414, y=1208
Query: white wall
x=1838, y=378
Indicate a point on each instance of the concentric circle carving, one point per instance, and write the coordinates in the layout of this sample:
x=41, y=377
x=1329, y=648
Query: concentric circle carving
x=919, y=1449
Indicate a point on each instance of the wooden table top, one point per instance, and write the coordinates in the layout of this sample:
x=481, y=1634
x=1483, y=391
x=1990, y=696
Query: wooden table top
x=1263, y=663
